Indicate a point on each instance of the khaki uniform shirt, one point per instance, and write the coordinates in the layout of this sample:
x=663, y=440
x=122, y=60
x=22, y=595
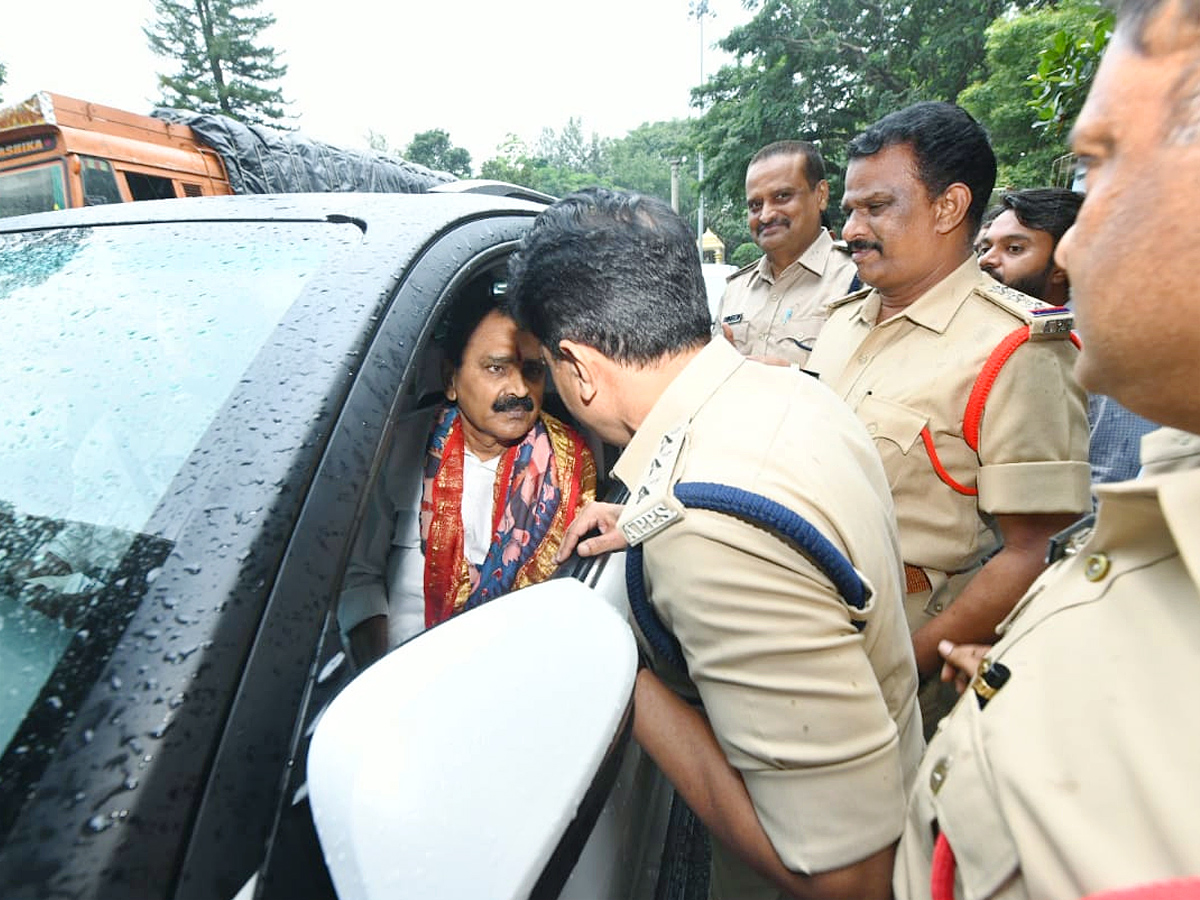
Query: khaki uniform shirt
x=817, y=716
x=909, y=379
x=1080, y=774
x=782, y=316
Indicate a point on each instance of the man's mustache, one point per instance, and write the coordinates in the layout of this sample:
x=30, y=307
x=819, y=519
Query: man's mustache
x=511, y=403
x=856, y=246
x=786, y=223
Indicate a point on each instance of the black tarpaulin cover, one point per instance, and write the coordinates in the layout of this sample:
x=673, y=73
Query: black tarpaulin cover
x=262, y=160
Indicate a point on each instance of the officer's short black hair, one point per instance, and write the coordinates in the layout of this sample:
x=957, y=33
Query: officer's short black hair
x=949, y=146
x=615, y=270
x=814, y=165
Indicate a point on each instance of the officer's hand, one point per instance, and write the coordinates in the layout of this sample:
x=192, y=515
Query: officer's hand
x=727, y=331
x=962, y=662
x=596, y=516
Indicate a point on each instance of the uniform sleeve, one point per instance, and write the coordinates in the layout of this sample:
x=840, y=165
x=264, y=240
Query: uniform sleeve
x=1033, y=442
x=786, y=682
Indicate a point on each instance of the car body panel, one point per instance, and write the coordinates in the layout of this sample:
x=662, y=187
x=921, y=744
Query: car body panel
x=175, y=767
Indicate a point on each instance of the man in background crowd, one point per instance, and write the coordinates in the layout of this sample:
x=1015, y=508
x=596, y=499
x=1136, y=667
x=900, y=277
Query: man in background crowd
x=773, y=309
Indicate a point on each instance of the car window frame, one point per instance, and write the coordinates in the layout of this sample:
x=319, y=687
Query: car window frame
x=160, y=855
x=386, y=386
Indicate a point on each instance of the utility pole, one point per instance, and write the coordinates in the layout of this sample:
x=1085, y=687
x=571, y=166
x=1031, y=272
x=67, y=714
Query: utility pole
x=699, y=10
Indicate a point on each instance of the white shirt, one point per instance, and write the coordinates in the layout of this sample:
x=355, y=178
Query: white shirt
x=386, y=573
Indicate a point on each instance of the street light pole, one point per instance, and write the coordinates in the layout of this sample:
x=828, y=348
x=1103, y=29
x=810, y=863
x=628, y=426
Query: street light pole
x=699, y=9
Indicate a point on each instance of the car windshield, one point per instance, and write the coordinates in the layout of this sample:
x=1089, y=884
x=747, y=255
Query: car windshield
x=120, y=344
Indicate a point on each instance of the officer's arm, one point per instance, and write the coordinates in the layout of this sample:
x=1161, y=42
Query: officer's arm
x=995, y=589
x=682, y=744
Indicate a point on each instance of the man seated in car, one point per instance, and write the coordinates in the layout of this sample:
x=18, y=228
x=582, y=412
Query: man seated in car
x=476, y=493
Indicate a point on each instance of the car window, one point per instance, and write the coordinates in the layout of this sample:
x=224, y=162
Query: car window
x=33, y=189
x=119, y=346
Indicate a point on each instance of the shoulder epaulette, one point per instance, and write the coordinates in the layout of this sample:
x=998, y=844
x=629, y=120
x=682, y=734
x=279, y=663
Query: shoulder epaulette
x=748, y=267
x=849, y=298
x=1044, y=320
x=652, y=506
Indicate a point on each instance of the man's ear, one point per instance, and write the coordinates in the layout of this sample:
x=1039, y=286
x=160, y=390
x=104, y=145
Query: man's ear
x=822, y=190
x=952, y=206
x=586, y=366
x=448, y=381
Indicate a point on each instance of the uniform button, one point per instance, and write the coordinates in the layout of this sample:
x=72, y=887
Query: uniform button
x=937, y=607
x=938, y=776
x=872, y=428
x=1096, y=566
x=864, y=358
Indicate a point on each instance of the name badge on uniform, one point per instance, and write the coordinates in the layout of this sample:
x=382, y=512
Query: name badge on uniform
x=732, y=320
x=650, y=522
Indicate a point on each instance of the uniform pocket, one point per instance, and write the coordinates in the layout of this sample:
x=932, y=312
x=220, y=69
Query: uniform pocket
x=741, y=331
x=891, y=421
x=967, y=807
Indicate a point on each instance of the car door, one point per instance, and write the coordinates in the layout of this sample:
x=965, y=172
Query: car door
x=296, y=661
x=157, y=771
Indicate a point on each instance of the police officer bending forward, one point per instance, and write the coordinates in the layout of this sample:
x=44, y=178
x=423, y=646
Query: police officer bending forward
x=805, y=731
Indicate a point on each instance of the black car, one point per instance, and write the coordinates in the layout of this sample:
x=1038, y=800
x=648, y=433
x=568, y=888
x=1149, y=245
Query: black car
x=195, y=395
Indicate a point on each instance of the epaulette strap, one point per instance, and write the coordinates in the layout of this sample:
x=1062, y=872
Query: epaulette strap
x=743, y=270
x=849, y=298
x=1044, y=321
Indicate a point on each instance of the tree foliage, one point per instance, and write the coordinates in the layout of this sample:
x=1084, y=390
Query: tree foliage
x=821, y=70
x=1067, y=66
x=566, y=160
x=3, y=77
x=1002, y=101
x=221, y=66
x=433, y=149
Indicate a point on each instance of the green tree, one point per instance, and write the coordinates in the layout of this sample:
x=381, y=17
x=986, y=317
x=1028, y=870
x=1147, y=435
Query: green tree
x=570, y=150
x=221, y=67
x=821, y=70
x=1067, y=66
x=1001, y=100
x=3, y=77
x=433, y=149
x=562, y=162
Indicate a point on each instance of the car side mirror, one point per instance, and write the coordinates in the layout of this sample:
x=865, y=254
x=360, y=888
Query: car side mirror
x=473, y=760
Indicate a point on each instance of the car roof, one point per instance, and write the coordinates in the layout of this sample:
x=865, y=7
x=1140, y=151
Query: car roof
x=433, y=209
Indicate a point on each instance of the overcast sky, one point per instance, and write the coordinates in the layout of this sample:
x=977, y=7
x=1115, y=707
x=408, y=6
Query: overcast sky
x=479, y=69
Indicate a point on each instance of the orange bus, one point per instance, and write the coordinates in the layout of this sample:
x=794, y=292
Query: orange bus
x=58, y=152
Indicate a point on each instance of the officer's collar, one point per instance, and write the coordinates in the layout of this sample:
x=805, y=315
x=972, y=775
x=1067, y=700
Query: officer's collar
x=689, y=390
x=937, y=307
x=814, y=259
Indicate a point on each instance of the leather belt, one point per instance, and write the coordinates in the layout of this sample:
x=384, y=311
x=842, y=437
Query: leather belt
x=915, y=580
